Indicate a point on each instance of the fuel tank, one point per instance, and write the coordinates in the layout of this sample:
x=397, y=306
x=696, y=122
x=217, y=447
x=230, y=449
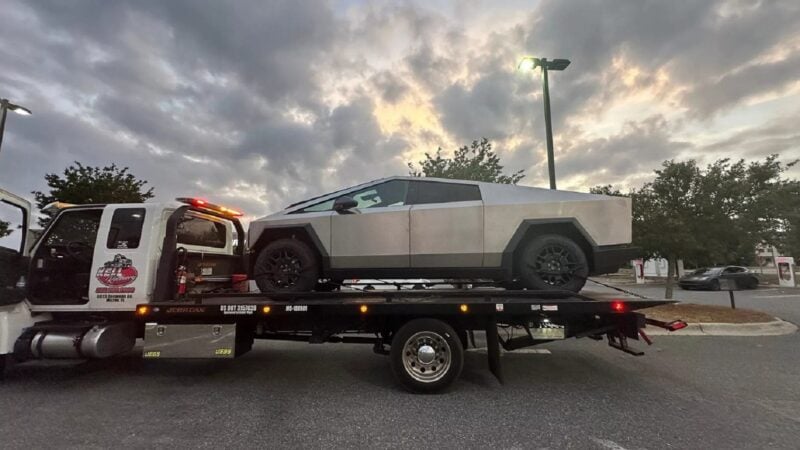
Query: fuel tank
x=68, y=341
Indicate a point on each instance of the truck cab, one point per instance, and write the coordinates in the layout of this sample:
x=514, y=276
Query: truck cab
x=72, y=289
x=107, y=257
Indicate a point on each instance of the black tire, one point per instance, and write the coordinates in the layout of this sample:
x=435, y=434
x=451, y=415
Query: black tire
x=418, y=373
x=553, y=262
x=752, y=283
x=285, y=266
x=714, y=285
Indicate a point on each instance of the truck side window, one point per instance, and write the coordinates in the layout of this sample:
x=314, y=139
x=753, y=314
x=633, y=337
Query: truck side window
x=12, y=220
x=194, y=230
x=75, y=226
x=126, y=228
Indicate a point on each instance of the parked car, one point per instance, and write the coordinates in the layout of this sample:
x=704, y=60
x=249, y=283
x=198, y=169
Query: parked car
x=411, y=227
x=708, y=278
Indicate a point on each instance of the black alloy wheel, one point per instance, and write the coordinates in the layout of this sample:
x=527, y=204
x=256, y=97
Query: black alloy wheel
x=553, y=262
x=286, y=265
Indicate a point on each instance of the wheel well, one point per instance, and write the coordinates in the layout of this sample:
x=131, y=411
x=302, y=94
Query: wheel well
x=566, y=229
x=273, y=234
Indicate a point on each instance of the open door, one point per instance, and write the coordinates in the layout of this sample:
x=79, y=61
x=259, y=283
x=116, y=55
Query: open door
x=14, y=245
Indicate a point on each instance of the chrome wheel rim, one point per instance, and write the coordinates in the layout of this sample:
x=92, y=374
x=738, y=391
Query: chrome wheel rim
x=426, y=356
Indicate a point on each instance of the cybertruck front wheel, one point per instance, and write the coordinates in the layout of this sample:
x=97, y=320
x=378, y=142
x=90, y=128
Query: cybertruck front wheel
x=286, y=266
x=553, y=263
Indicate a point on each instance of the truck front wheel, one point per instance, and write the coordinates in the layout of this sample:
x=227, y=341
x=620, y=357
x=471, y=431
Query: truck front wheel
x=286, y=265
x=426, y=355
x=553, y=262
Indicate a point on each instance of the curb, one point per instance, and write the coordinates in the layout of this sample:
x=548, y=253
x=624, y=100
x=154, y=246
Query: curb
x=775, y=328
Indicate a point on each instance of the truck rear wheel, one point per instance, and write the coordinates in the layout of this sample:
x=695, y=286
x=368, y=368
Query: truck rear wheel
x=553, y=262
x=286, y=265
x=426, y=355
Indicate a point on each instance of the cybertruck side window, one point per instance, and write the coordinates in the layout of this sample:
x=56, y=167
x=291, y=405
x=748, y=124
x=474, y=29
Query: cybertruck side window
x=425, y=192
x=126, y=228
x=391, y=193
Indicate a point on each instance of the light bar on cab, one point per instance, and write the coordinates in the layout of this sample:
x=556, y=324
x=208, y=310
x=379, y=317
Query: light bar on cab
x=203, y=204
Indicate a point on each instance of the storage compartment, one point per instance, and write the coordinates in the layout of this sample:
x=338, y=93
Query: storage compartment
x=194, y=341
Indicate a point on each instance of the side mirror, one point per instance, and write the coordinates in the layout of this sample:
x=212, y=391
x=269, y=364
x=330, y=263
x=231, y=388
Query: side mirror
x=344, y=204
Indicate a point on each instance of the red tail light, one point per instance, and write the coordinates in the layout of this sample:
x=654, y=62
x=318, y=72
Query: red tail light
x=618, y=306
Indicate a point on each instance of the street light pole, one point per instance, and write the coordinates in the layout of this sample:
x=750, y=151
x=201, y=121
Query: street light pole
x=3, y=122
x=530, y=63
x=551, y=164
x=5, y=106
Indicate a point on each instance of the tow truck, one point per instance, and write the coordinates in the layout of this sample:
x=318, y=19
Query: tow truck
x=174, y=275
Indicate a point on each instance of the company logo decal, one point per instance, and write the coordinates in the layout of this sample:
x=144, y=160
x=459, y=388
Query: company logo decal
x=117, y=272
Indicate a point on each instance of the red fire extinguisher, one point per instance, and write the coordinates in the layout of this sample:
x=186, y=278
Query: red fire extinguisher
x=180, y=276
x=180, y=272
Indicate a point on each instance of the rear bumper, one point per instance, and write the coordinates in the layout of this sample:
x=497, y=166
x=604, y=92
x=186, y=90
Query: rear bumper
x=608, y=259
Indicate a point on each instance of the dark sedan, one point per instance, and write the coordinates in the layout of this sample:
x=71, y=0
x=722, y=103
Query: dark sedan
x=709, y=278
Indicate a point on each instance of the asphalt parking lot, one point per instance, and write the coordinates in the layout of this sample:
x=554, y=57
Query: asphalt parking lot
x=686, y=392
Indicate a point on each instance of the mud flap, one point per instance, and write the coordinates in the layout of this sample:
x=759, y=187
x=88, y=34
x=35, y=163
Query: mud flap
x=493, y=349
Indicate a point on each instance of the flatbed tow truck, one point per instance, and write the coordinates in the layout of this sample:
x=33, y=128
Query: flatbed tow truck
x=101, y=277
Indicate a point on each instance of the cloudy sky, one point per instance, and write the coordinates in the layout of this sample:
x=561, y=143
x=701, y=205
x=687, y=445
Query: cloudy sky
x=260, y=103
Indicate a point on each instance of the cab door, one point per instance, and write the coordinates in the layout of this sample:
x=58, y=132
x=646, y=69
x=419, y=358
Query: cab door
x=374, y=234
x=446, y=225
x=61, y=264
x=14, y=216
x=123, y=259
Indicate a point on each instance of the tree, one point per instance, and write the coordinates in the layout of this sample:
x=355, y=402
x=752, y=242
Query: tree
x=86, y=184
x=4, y=229
x=713, y=216
x=478, y=162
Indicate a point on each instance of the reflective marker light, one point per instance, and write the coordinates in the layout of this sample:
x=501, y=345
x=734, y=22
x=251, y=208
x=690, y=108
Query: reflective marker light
x=464, y=308
x=677, y=325
x=363, y=309
x=266, y=309
x=142, y=310
x=618, y=306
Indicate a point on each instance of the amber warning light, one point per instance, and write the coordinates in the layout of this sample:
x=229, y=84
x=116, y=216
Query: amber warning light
x=204, y=204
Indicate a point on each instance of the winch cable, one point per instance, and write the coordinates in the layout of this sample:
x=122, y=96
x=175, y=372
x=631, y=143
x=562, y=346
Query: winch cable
x=625, y=291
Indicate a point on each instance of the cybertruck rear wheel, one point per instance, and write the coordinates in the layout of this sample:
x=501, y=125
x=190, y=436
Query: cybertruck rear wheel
x=286, y=266
x=553, y=263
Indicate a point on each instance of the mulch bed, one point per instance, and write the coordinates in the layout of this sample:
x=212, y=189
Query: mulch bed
x=694, y=313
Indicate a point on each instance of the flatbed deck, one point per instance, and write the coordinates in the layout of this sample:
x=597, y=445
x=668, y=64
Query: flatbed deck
x=432, y=301
x=225, y=325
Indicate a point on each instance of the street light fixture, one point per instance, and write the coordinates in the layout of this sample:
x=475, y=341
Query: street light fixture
x=528, y=64
x=6, y=106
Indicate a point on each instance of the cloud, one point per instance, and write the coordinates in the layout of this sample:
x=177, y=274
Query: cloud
x=263, y=104
x=637, y=147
